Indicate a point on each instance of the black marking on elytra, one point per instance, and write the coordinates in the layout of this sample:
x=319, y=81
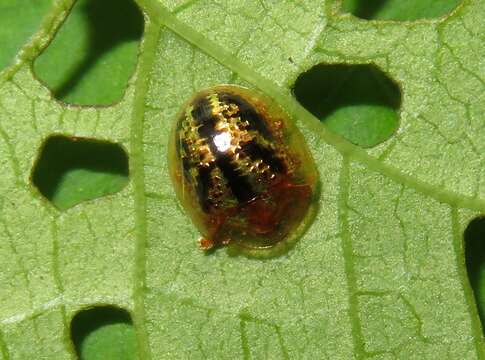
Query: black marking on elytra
x=202, y=114
x=186, y=166
x=202, y=110
x=238, y=183
x=177, y=144
x=247, y=112
x=179, y=139
x=257, y=151
x=185, y=146
x=182, y=145
x=206, y=121
x=204, y=183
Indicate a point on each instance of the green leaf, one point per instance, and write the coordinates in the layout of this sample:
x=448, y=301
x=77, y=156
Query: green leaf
x=399, y=10
x=379, y=274
x=101, y=38
x=69, y=171
x=15, y=30
x=104, y=333
x=356, y=101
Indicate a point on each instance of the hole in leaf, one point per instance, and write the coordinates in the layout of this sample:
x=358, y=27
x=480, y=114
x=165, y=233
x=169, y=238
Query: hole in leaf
x=71, y=170
x=475, y=261
x=16, y=30
x=358, y=102
x=401, y=10
x=93, y=55
x=104, y=332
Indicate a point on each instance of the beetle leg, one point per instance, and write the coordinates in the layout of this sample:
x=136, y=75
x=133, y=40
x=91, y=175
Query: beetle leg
x=206, y=244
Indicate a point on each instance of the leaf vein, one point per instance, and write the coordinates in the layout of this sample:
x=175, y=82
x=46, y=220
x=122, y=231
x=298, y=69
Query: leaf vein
x=151, y=38
x=356, y=327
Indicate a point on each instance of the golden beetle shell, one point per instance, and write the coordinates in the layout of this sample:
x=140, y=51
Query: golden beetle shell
x=241, y=169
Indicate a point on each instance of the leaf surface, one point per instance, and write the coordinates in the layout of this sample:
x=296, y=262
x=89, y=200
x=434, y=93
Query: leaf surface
x=16, y=30
x=379, y=274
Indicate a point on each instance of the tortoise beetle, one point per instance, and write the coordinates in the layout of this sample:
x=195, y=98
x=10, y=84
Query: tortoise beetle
x=240, y=168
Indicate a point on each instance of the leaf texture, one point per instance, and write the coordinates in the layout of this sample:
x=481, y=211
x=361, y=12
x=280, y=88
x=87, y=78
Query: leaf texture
x=379, y=274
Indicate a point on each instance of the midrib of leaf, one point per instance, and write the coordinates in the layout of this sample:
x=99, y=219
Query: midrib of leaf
x=148, y=52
